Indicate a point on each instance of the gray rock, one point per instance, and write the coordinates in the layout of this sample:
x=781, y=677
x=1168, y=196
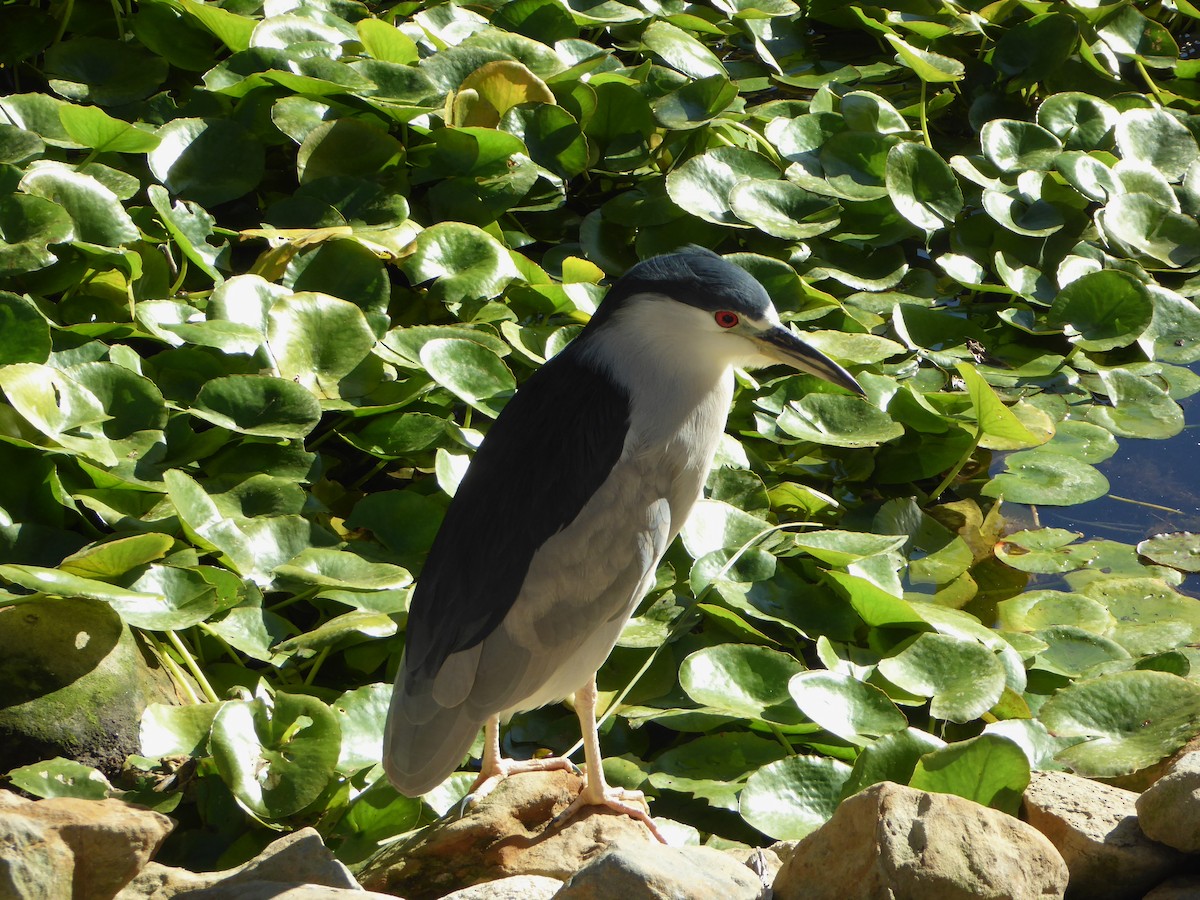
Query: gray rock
x=1095, y=828
x=640, y=871
x=895, y=842
x=76, y=683
x=1169, y=810
x=1185, y=887
x=34, y=861
x=298, y=860
x=107, y=842
x=505, y=834
x=515, y=887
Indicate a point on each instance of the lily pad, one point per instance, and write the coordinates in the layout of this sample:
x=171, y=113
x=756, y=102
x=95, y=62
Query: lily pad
x=853, y=710
x=963, y=678
x=793, y=797
x=278, y=756
x=1129, y=720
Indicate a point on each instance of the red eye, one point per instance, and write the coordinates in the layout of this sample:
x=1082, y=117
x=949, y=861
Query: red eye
x=726, y=319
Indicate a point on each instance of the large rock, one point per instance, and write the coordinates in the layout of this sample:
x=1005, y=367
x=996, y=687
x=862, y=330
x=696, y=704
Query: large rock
x=1095, y=828
x=504, y=834
x=641, y=871
x=1169, y=810
x=106, y=843
x=34, y=861
x=76, y=683
x=296, y=861
x=903, y=844
x=515, y=887
x=1185, y=887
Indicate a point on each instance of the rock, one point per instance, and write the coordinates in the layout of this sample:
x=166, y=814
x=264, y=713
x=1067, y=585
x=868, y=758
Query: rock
x=505, y=834
x=274, y=890
x=764, y=862
x=1095, y=828
x=1186, y=887
x=97, y=846
x=34, y=861
x=641, y=871
x=515, y=887
x=76, y=683
x=1169, y=810
x=896, y=842
x=295, y=861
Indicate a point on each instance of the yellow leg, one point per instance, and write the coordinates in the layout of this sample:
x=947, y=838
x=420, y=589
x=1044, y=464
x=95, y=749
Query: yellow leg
x=596, y=791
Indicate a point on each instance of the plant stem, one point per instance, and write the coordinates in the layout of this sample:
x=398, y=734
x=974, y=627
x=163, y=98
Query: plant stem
x=193, y=667
x=924, y=118
x=1150, y=83
x=316, y=666
x=177, y=674
x=958, y=466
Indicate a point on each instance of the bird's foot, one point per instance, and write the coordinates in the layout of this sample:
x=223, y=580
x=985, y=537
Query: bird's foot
x=631, y=803
x=495, y=773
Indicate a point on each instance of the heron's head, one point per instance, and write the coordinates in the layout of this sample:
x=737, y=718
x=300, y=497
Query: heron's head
x=692, y=305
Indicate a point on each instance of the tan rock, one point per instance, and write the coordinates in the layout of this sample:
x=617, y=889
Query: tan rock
x=34, y=861
x=515, y=887
x=641, y=871
x=1185, y=887
x=895, y=842
x=1169, y=810
x=108, y=841
x=505, y=834
x=296, y=860
x=1095, y=828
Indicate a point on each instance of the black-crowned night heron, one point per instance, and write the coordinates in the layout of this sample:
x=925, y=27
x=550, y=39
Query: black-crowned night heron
x=556, y=530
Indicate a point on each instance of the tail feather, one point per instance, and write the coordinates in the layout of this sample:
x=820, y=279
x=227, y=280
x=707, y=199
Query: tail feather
x=420, y=755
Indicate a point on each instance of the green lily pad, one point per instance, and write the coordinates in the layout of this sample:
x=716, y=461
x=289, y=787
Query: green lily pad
x=784, y=209
x=893, y=757
x=102, y=71
x=258, y=404
x=1037, y=610
x=963, y=678
x=1145, y=226
x=989, y=769
x=922, y=186
x=1080, y=121
x=1013, y=146
x=695, y=103
x=317, y=340
x=680, y=50
x=467, y=262
x=28, y=226
x=1152, y=617
x=1140, y=408
x=1179, y=550
x=714, y=767
x=93, y=127
x=24, y=332
x=793, y=797
x=176, y=730
x=703, y=184
x=838, y=421
x=471, y=371
x=1044, y=477
x=276, y=757
x=192, y=159
x=853, y=710
x=1129, y=720
x=1157, y=138
x=742, y=680
x=1103, y=310
x=96, y=211
x=361, y=714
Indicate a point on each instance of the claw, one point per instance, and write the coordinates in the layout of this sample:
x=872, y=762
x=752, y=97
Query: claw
x=630, y=803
